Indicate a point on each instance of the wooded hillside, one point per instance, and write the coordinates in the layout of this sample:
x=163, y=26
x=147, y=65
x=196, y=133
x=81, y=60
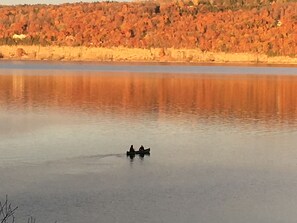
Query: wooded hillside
x=269, y=28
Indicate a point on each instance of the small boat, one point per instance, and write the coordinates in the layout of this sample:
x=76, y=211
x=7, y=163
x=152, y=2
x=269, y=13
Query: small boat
x=139, y=152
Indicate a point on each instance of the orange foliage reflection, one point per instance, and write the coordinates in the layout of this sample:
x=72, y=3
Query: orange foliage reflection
x=232, y=96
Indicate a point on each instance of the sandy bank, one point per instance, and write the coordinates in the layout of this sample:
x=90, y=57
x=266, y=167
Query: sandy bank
x=65, y=53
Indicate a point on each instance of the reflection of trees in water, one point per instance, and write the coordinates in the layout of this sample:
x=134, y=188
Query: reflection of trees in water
x=259, y=97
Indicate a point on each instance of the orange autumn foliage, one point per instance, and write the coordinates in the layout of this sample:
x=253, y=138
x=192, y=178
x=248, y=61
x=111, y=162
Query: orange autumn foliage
x=270, y=29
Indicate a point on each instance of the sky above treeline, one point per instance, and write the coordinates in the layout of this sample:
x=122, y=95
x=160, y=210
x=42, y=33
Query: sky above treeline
x=21, y=2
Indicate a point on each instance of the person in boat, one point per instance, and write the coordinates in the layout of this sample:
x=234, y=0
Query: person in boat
x=141, y=149
x=132, y=149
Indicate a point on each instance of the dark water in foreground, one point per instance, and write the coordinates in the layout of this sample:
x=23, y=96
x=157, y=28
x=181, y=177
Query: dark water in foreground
x=223, y=146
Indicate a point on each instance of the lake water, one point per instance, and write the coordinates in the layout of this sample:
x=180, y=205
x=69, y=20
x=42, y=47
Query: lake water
x=223, y=142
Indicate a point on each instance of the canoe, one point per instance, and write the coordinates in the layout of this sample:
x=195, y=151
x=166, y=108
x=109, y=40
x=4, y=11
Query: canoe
x=144, y=152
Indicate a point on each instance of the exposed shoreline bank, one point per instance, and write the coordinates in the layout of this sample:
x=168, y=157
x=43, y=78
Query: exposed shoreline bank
x=122, y=54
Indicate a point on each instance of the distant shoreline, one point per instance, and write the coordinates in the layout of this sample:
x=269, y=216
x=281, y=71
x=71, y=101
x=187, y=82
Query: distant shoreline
x=122, y=54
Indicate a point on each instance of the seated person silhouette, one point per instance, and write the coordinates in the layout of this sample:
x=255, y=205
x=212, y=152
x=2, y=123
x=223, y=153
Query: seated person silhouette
x=132, y=149
x=141, y=149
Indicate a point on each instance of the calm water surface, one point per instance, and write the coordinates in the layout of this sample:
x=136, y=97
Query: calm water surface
x=223, y=146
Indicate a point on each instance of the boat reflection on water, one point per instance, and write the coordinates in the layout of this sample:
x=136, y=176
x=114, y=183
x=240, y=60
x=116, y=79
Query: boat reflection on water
x=141, y=156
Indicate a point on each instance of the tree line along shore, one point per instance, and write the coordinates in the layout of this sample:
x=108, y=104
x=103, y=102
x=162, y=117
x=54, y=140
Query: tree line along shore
x=186, y=31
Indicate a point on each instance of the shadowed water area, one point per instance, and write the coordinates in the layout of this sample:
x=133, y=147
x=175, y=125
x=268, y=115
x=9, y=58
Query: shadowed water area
x=223, y=146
